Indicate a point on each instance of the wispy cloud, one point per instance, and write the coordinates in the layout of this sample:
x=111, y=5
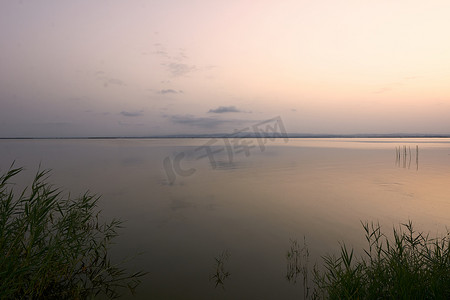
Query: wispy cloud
x=180, y=69
x=382, y=90
x=176, y=61
x=115, y=81
x=204, y=122
x=181, y=55
x=169, y=91
x=224, y=109
x=130, y=124
x=108, y=80
x=132, y=113
x=53, y=124
x=160, y=50
x=177, y=55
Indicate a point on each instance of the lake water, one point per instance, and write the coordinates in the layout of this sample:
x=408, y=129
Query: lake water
x=249, y=202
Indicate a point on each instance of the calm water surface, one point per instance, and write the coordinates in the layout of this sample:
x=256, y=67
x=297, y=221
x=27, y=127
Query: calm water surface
x=251, y=207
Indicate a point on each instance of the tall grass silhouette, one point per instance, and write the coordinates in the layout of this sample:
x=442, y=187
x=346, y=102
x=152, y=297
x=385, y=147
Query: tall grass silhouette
x=55, y=247
x=409, y=265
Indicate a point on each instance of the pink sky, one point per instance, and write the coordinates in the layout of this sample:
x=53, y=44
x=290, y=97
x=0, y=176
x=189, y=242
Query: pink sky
x=90, y=68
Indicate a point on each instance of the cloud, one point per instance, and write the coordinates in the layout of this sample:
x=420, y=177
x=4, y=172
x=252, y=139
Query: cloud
x=161, y=53
x=210, y=67
x=204, y=122
x=108, y=80
x=181, y=55
x=224, y=109
x=129, y=124
x=98, y=113
x=53, y=124
x=179, y=69
x=160, y=50
x=132, y=113
x=191, y=120
x=115, y=81
x=169, y=91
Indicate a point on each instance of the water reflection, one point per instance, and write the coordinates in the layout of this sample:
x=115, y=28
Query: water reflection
x=220, y=271
x=403, y=157
x=297, y=264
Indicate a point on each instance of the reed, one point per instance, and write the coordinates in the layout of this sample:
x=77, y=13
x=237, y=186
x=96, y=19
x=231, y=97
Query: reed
x=409, y=266
x=53, y=246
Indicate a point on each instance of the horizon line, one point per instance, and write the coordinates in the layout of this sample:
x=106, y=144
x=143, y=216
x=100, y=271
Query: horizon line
x=246, y=135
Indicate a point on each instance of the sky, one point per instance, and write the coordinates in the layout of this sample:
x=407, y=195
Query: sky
x=160, y=67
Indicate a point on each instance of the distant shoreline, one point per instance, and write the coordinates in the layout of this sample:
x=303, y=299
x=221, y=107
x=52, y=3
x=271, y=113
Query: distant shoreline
x=244, y=135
